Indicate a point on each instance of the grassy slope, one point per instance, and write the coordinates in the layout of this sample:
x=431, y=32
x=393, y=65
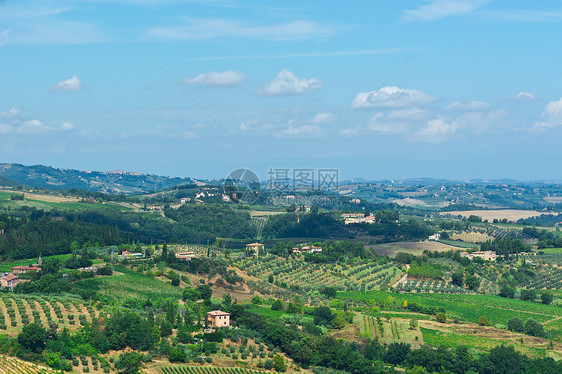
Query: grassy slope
x=470, y=307
x=131, y=285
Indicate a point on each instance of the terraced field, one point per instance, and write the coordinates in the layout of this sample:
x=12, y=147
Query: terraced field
x=13, y=365
x=19, y=310
x=296, y=272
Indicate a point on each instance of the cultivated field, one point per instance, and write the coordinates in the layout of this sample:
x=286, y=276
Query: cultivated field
x=13, y=365
x=416, y=248
x=472, y=237
x=64, y=311
x=509, y=214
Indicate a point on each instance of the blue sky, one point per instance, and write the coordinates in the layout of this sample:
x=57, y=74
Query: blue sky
x=379, y=89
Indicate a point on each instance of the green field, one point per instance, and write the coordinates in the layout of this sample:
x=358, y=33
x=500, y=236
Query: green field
x=6, y=202
x=552, y=250
x=469, y=307
x=7, y=266
x=128, y=284
x=440, y=338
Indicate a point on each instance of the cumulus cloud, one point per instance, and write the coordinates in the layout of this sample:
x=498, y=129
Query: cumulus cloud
x=287, y=83
x=321, y=118
x=67, y=126
x=392, y=97
x=465, y=106
x=33, y=126
x=436, y=130
x=71, y=84
x=438, y=9
x=524, y=96
x=12, y=113
x=552, y=117
x=214, y=78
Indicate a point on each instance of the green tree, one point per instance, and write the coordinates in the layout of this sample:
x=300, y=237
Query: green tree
x=277, y=305
x=483, y=321
x=33, y=337
x=534, y=328
x=205, y=291
x=413, y=323
x=507, y=291
x=458, y=279
x=279, y=363
x=546, y=298
x=515, y=324
x=130, y=363
x=330, y=292
x=441, y=317
x=472, y=282
x=397, y=353
x=529, y=295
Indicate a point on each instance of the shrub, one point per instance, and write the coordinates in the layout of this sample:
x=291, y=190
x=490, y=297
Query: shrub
x=534, y=328
x=515, y=324
x=441, y=317
x=483, y=321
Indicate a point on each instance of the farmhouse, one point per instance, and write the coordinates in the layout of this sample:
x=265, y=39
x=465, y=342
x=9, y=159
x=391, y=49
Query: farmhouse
x=218, y=318
x=434, y=237
x=9, y=281
x=126, y=254
x=352, y=215
x=485, y=255
x=185, y=255
x=24, y=269
x=369, y=219
x=256, y=247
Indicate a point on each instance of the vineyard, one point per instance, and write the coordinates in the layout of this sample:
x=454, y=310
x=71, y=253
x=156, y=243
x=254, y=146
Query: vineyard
x=12, y=365
x=206, y=370
x=296, y=273
x=19, y=310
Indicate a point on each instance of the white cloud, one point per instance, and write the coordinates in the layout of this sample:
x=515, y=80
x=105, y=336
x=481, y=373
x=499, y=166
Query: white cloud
x=391, y=97
x=71, y=84
x=479, y=122
x=552, y=117
x=33, y=126
x=287, y=83
x=438, y=9
x=67, y=126
x=281, y=129
x=465, y=106
x=197, y=29
x=408, y=114
x=190, y=134
x=397, y=121
x=436, y=130
x=321, y=118
x=12, y=113
x=524, y=96
x=214, y=78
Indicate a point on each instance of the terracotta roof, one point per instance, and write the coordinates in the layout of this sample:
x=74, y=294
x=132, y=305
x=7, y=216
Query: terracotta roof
x=218, y=313
x=10, y=277
x=25, y=268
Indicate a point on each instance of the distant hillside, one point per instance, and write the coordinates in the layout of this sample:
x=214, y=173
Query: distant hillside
x=111, y=182
x=7, y=183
